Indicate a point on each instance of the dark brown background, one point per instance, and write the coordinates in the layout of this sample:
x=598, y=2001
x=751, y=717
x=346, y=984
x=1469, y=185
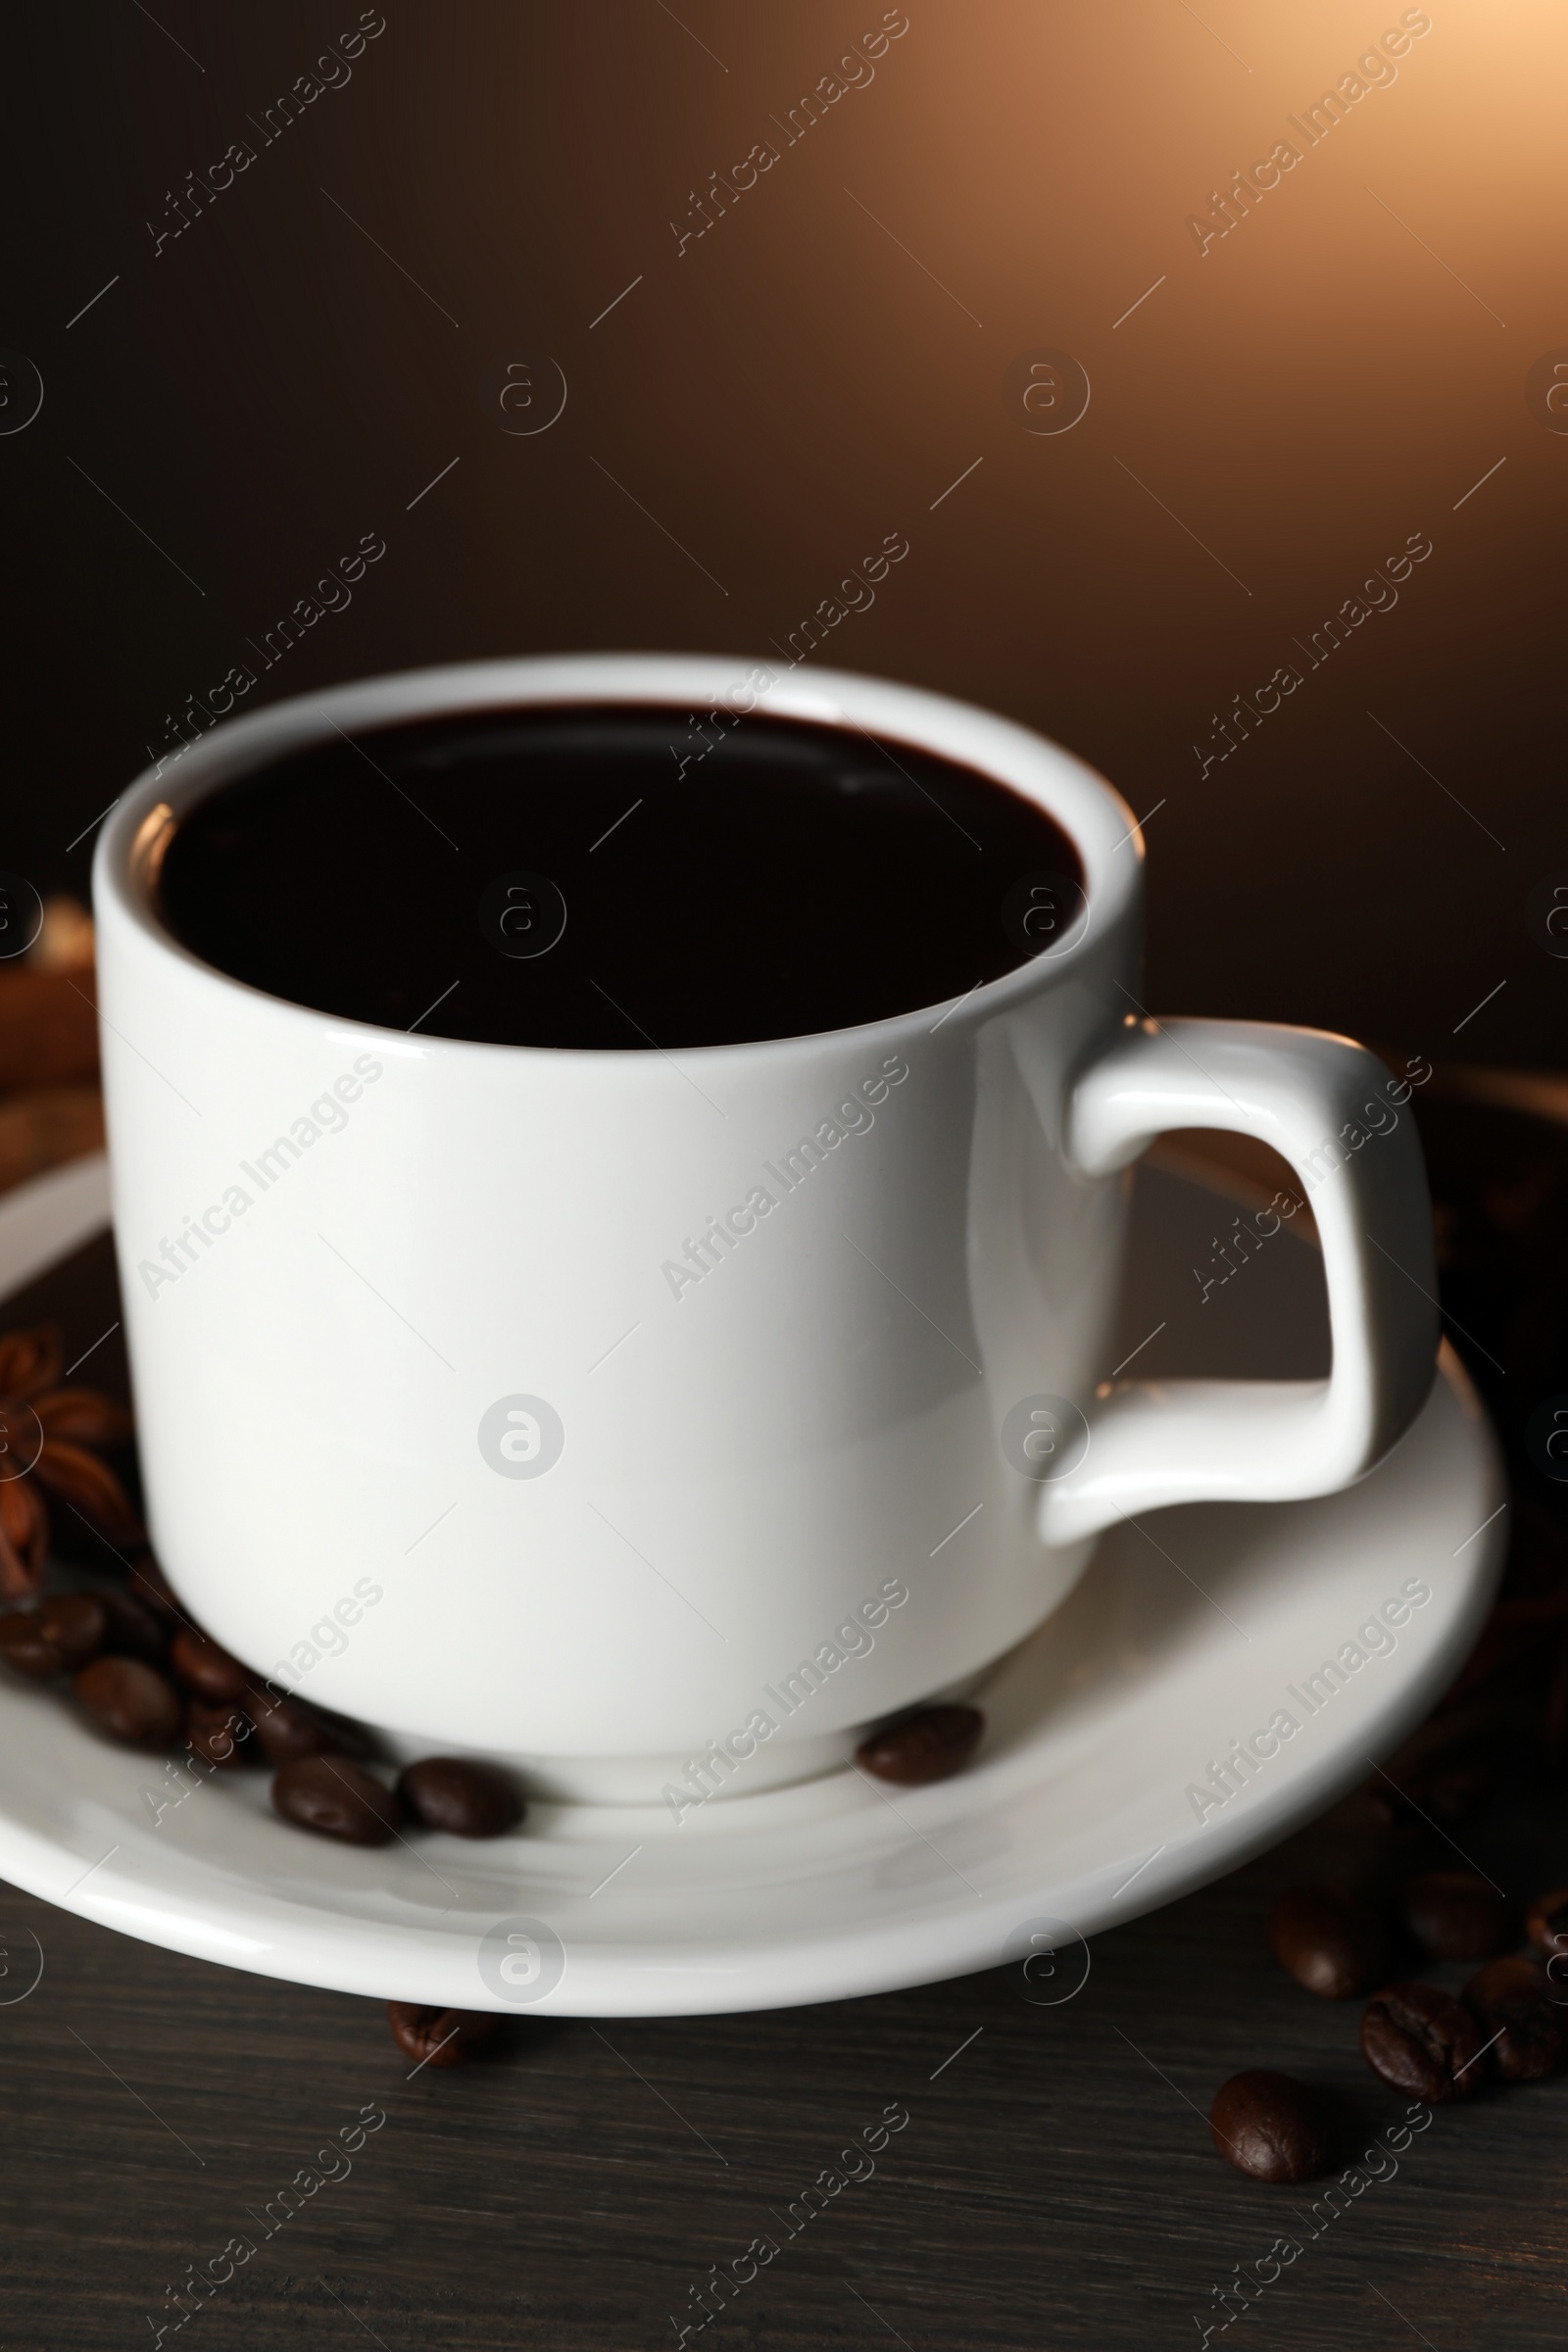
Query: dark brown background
x=1316, y=388
x=1303, y=396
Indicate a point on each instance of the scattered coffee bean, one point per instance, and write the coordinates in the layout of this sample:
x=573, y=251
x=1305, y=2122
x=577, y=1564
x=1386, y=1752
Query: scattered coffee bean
x=1422, y=2041
x=1460, y=1790
x=76, y=1625
x=133, y=1630
x=55, y=1638
x=439, y=2037
x=1327, y=1942
x=132, y=1700
x=1272, y=2127
x=23, y=1648
x=1456, y=1916
x=288, y=1729
x=1448, y=1795
x=465, y=1798
x=1512, y=2005
x=204, y=1668
x=1450, y=1767
x=1547, y=1922
x=337, y=1799
x=219, y=1735
x=927, y=1746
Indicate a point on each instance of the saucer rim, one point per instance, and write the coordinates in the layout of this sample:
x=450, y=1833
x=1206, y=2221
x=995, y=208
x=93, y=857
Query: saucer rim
x=350, y=1953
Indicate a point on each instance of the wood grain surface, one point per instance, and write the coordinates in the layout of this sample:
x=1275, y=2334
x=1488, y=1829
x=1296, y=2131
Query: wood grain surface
x=1055, y=2183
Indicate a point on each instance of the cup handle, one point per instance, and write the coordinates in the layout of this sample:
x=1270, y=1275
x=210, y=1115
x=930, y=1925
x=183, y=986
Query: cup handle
x=1325, y=1105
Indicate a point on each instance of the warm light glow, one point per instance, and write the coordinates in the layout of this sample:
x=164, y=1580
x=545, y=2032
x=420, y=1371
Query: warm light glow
x=153, y=837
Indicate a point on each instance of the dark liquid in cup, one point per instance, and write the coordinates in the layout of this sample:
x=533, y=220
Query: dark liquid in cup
x=611, y=877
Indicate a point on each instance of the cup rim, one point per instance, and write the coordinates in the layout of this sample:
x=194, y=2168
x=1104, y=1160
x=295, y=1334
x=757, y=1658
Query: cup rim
x=1101, y=825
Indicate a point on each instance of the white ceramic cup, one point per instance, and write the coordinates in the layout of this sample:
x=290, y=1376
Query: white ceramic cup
x=435, y=1433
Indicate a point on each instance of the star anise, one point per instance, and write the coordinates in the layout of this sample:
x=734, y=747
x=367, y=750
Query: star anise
x=73, y=1421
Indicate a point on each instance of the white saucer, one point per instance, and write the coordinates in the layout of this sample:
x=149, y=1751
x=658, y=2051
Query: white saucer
x=1187, y=1634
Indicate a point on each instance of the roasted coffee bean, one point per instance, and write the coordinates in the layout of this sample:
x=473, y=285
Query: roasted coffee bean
x=76, y=1625
x=132, y=1700
x=1329, y=1944
x=1456, y=1916
x=1511, y=2002
x=204, y=1668
x=55, y=1638
x=221, y=1734
x=1461, y=1789
x=462, y=1797
x=1272, y=2127
x=1422, y=2041
x=337, y=1799
x=1448, y=1795
x=439, y=2037
x=926, y=1746
x=134, y=1628
x=1453, y=1764
x=22, y=1646
x=1547, y=1922
x=288, y=1729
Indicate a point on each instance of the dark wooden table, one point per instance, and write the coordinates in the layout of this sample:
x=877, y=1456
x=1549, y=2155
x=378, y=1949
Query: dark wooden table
x=1055, y=2183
